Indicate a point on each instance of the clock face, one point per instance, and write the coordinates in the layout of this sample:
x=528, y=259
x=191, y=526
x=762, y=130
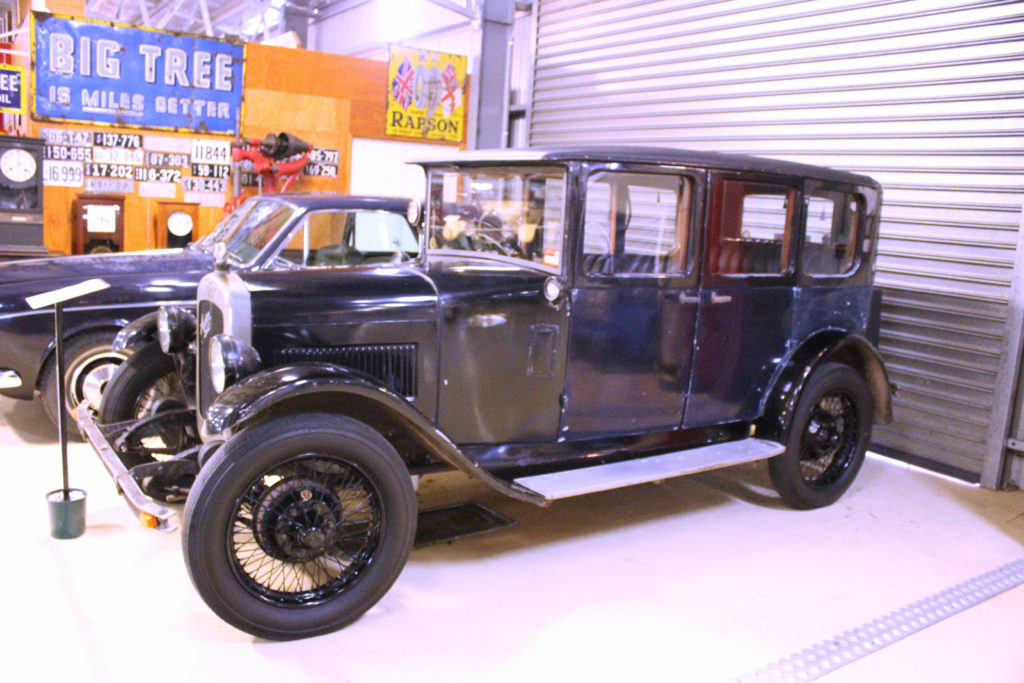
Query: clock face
x=179, y=224
x=18, y=165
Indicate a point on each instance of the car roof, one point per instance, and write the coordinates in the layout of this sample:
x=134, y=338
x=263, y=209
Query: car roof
x=650, y=155
x=330, y=200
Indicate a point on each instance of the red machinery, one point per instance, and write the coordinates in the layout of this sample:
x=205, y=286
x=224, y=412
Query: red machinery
x=277, y=158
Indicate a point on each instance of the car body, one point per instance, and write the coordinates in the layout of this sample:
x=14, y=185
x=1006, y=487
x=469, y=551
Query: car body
x=139, y=283
x=580, y=319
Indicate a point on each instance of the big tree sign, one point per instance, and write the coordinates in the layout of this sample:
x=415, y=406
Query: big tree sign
x=99, y=72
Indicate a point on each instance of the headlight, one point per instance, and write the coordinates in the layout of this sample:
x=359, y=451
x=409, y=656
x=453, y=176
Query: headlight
x=175, y=328
x=230, y=361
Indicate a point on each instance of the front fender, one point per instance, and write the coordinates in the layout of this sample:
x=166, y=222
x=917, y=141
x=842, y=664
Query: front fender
x=139, y=331
x=322, y=387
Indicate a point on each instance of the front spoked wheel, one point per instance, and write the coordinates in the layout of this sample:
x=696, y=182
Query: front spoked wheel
x=827, y=439
x=299, y=525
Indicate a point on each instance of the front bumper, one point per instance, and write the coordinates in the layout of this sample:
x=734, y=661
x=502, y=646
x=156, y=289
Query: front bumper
x=150, y=513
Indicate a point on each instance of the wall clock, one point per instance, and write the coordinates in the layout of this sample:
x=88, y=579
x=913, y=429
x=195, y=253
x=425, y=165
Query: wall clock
x=21, y=196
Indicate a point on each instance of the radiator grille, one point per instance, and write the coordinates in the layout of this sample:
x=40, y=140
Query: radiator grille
x=393, y=364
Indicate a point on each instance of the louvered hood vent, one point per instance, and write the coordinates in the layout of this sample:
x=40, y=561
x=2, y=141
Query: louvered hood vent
x=392, y=364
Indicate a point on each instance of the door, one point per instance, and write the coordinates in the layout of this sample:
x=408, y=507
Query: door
x=746, y=308
x=634, y=304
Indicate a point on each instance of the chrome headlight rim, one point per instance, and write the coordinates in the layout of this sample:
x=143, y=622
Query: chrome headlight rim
x=175, y=328
x=231, y=360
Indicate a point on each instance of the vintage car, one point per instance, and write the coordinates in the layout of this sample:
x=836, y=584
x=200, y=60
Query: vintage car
x=578, y=320
x=139, y=283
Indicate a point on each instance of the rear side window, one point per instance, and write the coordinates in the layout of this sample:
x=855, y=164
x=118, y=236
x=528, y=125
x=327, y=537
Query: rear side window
x=831, y=233
x=754, y=229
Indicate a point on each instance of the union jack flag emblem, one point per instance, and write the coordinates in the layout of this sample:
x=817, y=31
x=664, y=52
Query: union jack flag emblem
x=401, y=85
x=453, y=93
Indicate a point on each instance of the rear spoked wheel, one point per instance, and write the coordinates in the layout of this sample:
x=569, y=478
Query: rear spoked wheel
x=827, y=439
x=297, y=526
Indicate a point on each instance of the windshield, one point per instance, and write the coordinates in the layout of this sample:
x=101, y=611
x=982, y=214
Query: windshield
x=262, y=221
x=222, y=229
x=508, y=211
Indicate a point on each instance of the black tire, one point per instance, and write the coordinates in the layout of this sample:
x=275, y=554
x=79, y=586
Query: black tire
x=89, y=363
x=274, y=577
x=827, y=439
x=147, y=376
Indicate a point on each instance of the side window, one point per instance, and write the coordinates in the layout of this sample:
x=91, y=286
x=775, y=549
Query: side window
x=754, y=229
x=348, y=238
x=636, y=223
x=320, y=240
x=831, y=232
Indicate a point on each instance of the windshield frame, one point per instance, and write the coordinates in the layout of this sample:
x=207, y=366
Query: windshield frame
x=511, y=169
x=262, y=255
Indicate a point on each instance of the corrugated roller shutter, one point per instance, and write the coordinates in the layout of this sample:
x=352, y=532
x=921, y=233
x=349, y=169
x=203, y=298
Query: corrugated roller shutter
x=924, y=95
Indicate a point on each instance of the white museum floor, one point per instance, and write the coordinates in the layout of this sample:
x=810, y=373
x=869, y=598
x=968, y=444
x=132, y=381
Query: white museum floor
x=706, y=578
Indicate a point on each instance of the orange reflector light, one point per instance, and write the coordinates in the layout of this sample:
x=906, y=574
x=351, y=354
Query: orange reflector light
x=148, y=520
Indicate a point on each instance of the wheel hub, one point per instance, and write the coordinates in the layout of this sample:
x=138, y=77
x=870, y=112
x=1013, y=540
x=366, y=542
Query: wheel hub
x=295, y=520
x=89, y=378
x=824, y=433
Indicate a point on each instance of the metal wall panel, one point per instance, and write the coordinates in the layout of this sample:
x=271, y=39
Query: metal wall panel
x=926, y=96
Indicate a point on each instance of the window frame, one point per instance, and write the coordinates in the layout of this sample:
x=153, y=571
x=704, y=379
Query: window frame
x=689, y=276
x=818, y=188
x=794, y=217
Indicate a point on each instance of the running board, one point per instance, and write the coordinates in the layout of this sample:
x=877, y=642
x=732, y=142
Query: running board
x=655, y=468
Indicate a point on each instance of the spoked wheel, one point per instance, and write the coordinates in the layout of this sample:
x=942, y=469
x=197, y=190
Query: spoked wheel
x=827, y=439
x=147, y=386
x=297, y=526
x=146, y=381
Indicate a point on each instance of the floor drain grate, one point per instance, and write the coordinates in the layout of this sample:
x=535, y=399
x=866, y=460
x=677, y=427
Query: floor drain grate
x=828, y=655
x=450, y=522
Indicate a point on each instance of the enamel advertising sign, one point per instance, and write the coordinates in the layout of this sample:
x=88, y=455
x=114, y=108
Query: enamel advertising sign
x=12, y=89
x=426, y=94
x=99, y=72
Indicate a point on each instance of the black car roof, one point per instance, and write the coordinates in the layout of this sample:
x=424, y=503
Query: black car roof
x=329, y=200
x=652, y=155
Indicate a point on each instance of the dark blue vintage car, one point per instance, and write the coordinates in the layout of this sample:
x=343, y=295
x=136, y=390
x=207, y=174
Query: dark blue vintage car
x=139, y=283
x=580, y=320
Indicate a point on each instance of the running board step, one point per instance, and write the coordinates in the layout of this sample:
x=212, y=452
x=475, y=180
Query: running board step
x=615, y=475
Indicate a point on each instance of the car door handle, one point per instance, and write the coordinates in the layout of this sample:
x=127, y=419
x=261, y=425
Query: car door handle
x=720, y=298
x=685, y=298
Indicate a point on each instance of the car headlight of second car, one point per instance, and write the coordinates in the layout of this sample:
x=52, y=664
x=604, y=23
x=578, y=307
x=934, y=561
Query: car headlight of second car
x=230, y=360
x=175, y=328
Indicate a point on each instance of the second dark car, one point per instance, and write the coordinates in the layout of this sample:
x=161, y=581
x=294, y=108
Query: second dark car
x=139, y=283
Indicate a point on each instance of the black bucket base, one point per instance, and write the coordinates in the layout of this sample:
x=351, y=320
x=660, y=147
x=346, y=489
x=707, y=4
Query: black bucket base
x=67, y=512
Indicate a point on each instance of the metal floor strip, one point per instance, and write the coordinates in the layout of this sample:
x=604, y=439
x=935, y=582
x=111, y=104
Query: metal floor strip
x=829, y=655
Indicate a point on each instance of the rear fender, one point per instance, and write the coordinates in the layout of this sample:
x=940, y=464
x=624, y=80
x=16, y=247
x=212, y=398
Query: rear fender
x=321, y=387
x=829, y=346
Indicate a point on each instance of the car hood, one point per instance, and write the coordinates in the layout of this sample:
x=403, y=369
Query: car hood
x=19, y=279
